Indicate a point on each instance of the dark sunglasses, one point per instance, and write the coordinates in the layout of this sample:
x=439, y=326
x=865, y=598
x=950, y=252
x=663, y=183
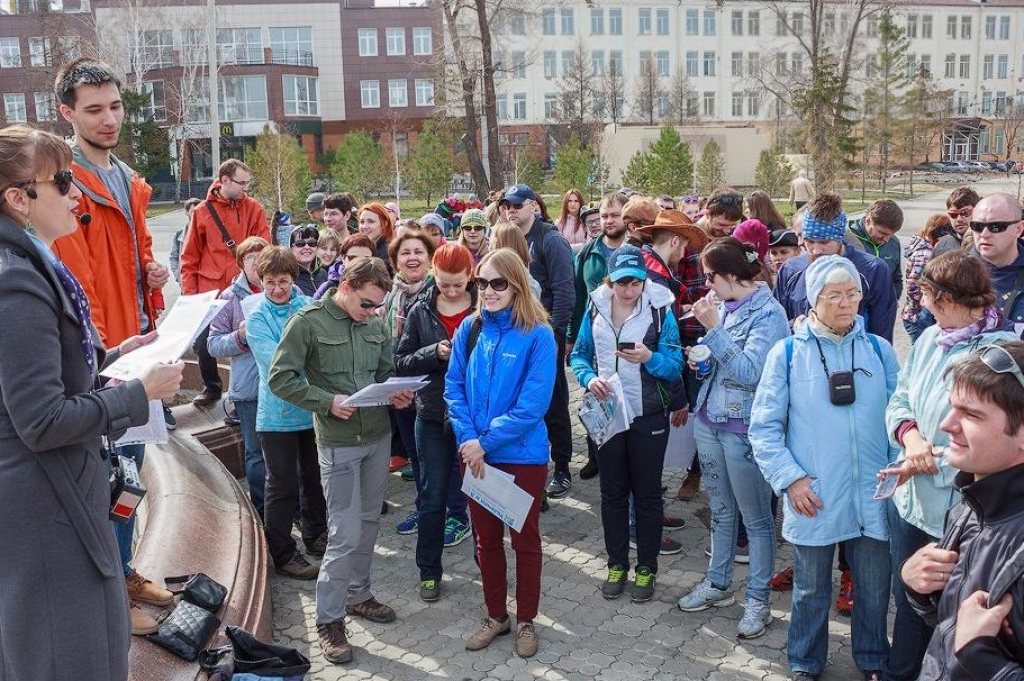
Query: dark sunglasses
x=999, y=360
x=728, y=200
x=303, y=243
x=498, y=284
x=62, y=179
x=370, y=305
x=997, y=227
x=473, y=228
x=964, y=212
x=514, y=206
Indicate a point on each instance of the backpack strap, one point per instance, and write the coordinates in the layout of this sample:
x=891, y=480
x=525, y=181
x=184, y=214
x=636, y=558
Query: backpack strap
x=475, y=327
x=228, y=241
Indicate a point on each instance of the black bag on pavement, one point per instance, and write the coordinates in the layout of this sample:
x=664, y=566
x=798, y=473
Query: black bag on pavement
x=186, y=631
x=200, y=589
x=249, y=655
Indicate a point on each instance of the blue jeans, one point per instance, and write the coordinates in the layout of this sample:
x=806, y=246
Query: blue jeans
x=440, y=484
x=910, y=635
x=405, y=424
x=125, y=532
x=812, y=596
x=735, y=484
x=255, y=468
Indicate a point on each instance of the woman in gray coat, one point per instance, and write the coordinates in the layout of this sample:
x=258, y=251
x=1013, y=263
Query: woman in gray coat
x=63, y=605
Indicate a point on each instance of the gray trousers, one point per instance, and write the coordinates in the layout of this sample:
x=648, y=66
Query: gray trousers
x=355, y=480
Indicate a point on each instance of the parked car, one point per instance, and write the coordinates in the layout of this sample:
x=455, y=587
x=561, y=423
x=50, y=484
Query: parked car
x=979, y=166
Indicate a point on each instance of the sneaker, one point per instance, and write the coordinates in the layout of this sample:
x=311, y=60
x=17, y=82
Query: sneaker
x=430, y=590
x=397, y=463
x=206, y=398
x=742, y=553
x=407, y=473
x=143, y=623
x=782, y=581
x=642, y=589
x=526, y=640
x=690, y=487
x=298, y=568
x=169, y=419
x=410, y=525
x=372, y=610
x=318, y=547
x=561, y=483
x=489, y=630
x=455, y=532
x=615, y=583
x=844, y=604
x=671, y=523
x=589, y=470
x=704, y=596
x=334, y=642
x=756, y=617
x=144, y=591
x=670, y=546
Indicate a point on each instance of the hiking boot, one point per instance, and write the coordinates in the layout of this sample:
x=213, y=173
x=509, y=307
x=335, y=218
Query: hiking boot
x=643, y=585
x=672, y=523
x=142, y=622
x=561, y=483
x=372, y=610
x=670, y=546
x=526, y=640
x=397, y=463
x=589, y=470
x=298, y=568
x=844, y=604
x=704, y=596
x=334, y=642
x=169, y=419
x=144, y=591
x=410, y=525
x=455, y=532
x=690, y=487
x=615, y=583
x=318, y=547
x=489, y=630
x=206, y=398
x=430, y=590
x=756, y=617
x=782, y=581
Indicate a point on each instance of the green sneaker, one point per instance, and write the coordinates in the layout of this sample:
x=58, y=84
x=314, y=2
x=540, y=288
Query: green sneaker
x=643, y=585
x=430, y=590
x=616, y=582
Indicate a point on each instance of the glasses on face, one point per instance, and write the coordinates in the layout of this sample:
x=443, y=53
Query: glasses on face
x=370, y=305
x=514, y=206
x=278, y=285
x=710, y=277
x=473, y=228
x=497, y=285
x=304, y=243
x=964, y=212
x=996, y=227
x=241, y=183
x=61, y=179
x=836, y=298
x=999, y=360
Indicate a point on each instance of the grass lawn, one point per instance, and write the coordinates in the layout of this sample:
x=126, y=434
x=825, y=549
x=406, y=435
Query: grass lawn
x=162, y=209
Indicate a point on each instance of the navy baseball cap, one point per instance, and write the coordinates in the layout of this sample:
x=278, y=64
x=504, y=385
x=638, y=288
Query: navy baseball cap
x=626, y=261
x=518, y=194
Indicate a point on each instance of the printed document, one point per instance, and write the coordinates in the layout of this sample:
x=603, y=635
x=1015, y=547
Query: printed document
x=604, y=419
x=498, y=492
x=379, y=394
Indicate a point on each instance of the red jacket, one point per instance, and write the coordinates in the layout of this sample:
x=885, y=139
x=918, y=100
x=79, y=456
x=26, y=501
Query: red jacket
x=207, y=264
x=102, y=257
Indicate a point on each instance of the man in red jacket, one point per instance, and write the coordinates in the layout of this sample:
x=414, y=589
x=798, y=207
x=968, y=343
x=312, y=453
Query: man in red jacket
x=227, y=217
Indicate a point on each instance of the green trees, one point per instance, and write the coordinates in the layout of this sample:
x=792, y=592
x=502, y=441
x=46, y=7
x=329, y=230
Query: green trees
x=885, y=123
x=709, y=168
x=429, y=169
x=281, y=170
x=580, y=168
x=636, y=175
x=666, y=167
x=360, y=167
x=773, y=172
x=143, y=143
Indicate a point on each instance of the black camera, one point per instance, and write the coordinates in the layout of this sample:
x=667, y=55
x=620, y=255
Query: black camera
x=126, y=488
x=841, y=390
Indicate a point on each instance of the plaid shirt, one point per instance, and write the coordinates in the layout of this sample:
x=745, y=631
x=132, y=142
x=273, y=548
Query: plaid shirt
x=690, y=273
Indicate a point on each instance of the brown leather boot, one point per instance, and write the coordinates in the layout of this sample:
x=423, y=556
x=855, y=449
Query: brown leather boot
x=334, y=642
x=142, y=622
x=489, y=630
x=690, y=487
x=144, y=591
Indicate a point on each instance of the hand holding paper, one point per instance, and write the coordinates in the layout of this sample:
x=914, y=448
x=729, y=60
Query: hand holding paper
x=473, y=456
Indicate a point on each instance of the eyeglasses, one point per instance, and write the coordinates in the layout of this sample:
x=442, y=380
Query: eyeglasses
x=370, y=305
x=246, y=183
x=691, y=199
x=728, y=200
x=710, y=276
x=998, y=359
x=836, y=298
x=497, y=285
x=515, y=206
x=473, y=228
x=997, y=227
x=62, y=179
x=964, y=212
x=304, y=243
x=278, y=285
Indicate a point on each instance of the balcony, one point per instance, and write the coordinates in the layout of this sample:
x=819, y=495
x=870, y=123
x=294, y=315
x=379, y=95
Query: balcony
x=250, y=56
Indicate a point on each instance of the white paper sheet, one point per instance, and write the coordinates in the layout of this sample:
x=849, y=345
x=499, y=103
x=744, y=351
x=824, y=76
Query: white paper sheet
x=497, y=492
x=379, y=394
x=681, y=445
x=154, y=432
x=604, y=419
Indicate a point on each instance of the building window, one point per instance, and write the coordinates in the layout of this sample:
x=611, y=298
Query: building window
x=568, y=28
x=983, y=141
x=300, y=96
x=597, y=106
x=292, y=45
x=662, y=60
x=501, y=107
x=663, y=24
x=950, y=71
x=926, y=63
x=661, y=106
x=871, y=28
x=753, y=64
x=10, y=56
x=780, y=24
x=963, y=98
x=797, y=62
x=965, y=66
x=398, y=93
x=781, y=64
x=39, y=51
x=709, y=63
x=988, y=66
x=243, y=98
x=568, y=58
x=239, y=46
x=158, y=49
x=798, y=23
x=737, y=22
x=692, y=22
x=986, y=103
x=754, y=104
x=615, y=62
x=645, y=58
x=396, y=41
x=911, y=65
x=1003, y=66
x=1000, y=137
x=157, y=100
x=369, y=92
x=737, y=104
x=926, y=27
x=548, y=22
x=709, y=22
x=367, y=42
x=550, y=64
x=990, y=28
x=911, y=25
x=596, y=23
x=709, y=104
x=550, y=105
x=691, y=105
x=597, y=62
x=644, y=22
x=46, y=107
x=519, y=65
x=1004, y=28
x=519, y=106
x=951, y=27
x=965, y=28
x=737, y=64
x=424, y=92
x=1000, y=103
x=423, y=39
x=518, y=24
x=692, y=68
x=14, y=107
x=753, y=23
x=614, y=22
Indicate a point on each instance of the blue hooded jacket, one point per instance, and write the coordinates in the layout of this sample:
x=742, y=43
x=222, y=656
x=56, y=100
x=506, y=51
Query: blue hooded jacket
x=263, y=329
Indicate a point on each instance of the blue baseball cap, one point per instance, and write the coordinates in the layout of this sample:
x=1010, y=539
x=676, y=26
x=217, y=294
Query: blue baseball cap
x=518, y=194
x=626, y=261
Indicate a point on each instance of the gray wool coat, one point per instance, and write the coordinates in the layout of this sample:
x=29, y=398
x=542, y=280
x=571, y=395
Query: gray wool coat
x=63, y=603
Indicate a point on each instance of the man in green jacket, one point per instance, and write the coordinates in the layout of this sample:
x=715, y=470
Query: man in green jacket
x=328, y=351
x=874, y=234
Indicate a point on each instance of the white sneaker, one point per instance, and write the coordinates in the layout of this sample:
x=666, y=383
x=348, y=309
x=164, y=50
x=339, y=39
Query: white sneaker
x=756, y=617
x=705, y=596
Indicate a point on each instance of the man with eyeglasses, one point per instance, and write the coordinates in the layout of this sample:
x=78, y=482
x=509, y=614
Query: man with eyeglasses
x=969, y=584
x=996, y=228
x=227, y=217
x=552, y=267
x=959, y=206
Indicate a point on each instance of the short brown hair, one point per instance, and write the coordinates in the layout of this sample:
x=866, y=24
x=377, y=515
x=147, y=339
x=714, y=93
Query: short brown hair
x=727, y=202
x=277, y=260
x=961, y=197
x=230, y=166
x=885, y=213
x=191, y=203
x=82, y=71
x=367, y=272
x=410, y=235
x=958, y=278
x=825, y=206
x=972, y=375
x=355, y=240
x=939, y=222
x=253, y=244
x=339, y=201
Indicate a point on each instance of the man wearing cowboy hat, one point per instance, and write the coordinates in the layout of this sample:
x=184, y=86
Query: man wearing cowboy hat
x=671, y=232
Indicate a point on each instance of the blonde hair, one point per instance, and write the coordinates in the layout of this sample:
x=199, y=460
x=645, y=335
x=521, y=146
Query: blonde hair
x=27, y=153
x=507, y=235
x=527, y=311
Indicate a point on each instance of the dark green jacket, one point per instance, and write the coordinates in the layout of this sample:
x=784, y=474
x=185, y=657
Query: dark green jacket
x=323, y=352
x=590, y=270
x=890, y=251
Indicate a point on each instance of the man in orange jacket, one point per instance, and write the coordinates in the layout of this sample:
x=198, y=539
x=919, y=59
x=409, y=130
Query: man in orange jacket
x=227, y=217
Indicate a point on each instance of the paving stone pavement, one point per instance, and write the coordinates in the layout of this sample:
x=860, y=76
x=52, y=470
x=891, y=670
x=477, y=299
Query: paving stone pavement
x=583, y=637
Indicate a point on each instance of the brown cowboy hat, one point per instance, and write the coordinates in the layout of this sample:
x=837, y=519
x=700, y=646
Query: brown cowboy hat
x=678, y=223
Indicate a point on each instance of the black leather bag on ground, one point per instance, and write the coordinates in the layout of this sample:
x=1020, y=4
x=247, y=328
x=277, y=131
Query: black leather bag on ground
x=186, y=631
x=249, y=655
x=199, y=589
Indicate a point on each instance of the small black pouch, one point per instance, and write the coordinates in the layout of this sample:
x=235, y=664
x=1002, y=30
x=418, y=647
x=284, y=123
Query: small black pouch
x=841, y=389
x=186, y=631
x=200, y=589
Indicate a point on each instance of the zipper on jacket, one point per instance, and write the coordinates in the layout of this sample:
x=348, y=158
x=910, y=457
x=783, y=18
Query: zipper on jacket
x=614, y=332
x=855, y=457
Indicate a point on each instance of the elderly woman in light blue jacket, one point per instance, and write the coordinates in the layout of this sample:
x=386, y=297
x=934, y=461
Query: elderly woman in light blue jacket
x=818, y=432
x=740, y=330
x=957, y=290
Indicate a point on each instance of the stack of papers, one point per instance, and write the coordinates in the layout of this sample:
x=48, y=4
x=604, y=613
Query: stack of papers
x=379, y=394
x=604, y=419
x=498, y=492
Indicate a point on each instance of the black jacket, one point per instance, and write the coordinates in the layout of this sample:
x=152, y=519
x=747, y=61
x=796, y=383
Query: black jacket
x=416, y=352
x=552, y=267
x=309, y=281
x=986, y=528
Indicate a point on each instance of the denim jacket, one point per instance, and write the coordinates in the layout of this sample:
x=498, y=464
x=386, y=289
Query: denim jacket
x=739, y=346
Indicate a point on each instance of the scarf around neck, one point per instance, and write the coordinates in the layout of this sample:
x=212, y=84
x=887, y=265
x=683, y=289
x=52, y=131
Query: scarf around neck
x=992, y=319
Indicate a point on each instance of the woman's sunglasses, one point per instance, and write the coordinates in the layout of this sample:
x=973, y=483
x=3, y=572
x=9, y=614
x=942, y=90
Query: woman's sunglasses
x=62, y=179
x=498, y=284
x=473, y=228
x=304, y=243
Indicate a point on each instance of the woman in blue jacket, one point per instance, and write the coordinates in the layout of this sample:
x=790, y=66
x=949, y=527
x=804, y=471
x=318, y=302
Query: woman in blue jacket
x=740, y=330
x=629, y=330
x=286, y=432
x=817, y=427
x=497, y=395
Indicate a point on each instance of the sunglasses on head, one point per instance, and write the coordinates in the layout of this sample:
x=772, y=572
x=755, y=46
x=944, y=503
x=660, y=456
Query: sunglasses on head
x=999, y=360
x=996, y=227
x=498, y=284
x=370, y=305
x=304, y=243
x=729, y=200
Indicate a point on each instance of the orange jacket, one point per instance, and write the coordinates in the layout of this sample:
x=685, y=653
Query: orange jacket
x=207, y=264
x=102, y=257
